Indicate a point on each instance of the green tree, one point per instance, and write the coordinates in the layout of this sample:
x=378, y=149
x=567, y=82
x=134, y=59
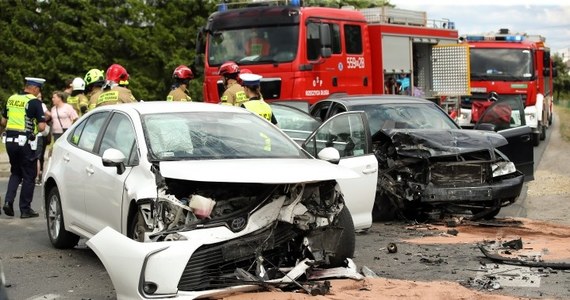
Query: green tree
x=562, y=80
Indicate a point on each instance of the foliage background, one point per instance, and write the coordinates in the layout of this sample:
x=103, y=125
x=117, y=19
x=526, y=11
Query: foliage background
x=63, y=39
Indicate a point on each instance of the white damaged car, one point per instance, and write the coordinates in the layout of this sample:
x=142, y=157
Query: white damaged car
x=189, y=200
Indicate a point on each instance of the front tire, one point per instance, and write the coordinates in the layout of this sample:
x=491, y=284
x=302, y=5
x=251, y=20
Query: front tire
x=347, y=242
x=59, y=237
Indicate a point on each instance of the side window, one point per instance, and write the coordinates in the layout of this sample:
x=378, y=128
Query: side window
x=119, y=135
x=313, y=43
x=353, y=39
x=504, y=114
x=345, y=132
x=335, y=38
x=319, y=111
x=85, y=134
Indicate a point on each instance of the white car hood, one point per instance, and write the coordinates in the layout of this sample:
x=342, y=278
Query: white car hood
x=255, y=170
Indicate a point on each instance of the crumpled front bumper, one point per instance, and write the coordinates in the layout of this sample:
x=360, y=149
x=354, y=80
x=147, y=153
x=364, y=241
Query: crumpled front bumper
x=505, y=189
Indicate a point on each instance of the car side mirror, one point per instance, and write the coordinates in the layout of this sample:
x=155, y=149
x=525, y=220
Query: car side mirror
x=486, y=127
x=329, y=154
x=114, y=158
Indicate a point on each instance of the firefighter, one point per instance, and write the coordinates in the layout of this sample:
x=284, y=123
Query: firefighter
x=256, y=104
x=23, y=117
x=94, y=80
x=181, y=76
x=112, y=92
x=234, y=93
x=77, y=99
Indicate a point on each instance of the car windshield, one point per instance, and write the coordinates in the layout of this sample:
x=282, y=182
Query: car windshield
x=253, y=45
x=207, y=135
x=501, y=64
x=405, y=116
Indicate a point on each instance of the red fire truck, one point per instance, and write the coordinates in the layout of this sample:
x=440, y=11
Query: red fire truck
x=514, y=66
x=310, y=53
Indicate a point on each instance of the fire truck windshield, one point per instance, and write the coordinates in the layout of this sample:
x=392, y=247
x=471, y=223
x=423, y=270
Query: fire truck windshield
x=501, y=64
x=256, y=45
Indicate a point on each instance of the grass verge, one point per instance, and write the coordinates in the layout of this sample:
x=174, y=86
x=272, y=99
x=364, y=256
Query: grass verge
x=563, y=111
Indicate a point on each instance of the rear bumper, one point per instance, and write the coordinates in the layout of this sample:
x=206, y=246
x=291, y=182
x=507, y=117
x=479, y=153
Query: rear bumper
x=505, y=190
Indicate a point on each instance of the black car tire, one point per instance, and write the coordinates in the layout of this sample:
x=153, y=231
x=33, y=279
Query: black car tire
x=489, y=213
x=59, y=237
x=137, y=226
x=542, y=133
x=383, y=209
x=347, y=244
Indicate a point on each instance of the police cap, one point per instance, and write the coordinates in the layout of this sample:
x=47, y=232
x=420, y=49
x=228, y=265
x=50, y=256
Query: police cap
x=35, y=81
x=250, y=79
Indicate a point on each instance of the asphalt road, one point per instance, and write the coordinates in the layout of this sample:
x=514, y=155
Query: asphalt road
x=35, y=270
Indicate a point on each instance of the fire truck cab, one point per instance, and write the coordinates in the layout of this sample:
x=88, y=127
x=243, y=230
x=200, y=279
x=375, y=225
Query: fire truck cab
x=515, y=66
x=310, y=53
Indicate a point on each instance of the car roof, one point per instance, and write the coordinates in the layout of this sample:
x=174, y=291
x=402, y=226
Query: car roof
x=359, y=100
x=152, y=107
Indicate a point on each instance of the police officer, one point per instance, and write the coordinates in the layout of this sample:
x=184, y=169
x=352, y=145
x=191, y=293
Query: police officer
x=234, y=93
x=181, y=76
x=112, y=92
x=94, y=80
x=77, y=99
x=23, y=118
x=251, y=84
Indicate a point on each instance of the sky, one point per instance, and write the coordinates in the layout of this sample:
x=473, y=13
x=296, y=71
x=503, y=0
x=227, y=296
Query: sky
x=549, y=18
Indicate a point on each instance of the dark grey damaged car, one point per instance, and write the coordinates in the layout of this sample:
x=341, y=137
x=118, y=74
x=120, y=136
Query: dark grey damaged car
x=427, y=163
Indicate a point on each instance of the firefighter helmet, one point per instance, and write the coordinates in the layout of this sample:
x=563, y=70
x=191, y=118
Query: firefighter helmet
x=78, y=84
x=94, y=76
x=228, y=68
x=243, y=71
x=182, y=72
x=117, y=74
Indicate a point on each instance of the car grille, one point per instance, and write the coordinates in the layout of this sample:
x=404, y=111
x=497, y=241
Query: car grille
x=212, y=266
x=446, y=174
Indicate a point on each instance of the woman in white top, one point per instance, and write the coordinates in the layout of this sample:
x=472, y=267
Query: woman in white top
x=62, y=114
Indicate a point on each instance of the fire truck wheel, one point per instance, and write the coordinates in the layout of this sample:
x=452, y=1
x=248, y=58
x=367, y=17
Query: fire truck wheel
x=542, y=133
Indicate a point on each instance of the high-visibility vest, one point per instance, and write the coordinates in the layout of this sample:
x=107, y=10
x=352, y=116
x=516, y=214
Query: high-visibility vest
x=16, y=107
x=259, y=107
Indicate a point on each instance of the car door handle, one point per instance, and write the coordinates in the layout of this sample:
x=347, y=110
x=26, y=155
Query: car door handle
x=66, y=158
x=525, y=138
x=369, y=170
x=89, y=170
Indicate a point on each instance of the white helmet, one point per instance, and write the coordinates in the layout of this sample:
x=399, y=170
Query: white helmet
x=78, y=84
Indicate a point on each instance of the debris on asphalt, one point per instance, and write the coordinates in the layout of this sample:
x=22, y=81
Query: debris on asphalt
x=508, y=255
x=368, y=273
x=392, y=248
x=453, y=232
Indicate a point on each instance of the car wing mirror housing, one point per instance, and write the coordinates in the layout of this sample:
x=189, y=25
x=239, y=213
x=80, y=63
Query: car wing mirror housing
x=329, y=154
x=114, y=158
x=486, y=127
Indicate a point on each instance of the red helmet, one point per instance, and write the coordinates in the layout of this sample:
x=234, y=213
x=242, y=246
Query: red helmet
x=243, y=71
x=228, y=67
x=116, y=73
x=182, y=72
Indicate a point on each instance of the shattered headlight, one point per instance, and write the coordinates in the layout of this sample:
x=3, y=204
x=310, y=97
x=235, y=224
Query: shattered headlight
x=503, y=168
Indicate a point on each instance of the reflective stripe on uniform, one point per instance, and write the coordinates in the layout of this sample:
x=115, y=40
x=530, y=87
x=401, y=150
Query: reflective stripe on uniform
x=259, y=107
x=16, y=106
x=108, y=97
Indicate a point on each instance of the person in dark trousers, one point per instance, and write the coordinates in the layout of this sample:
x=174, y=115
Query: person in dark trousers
x=23, y=117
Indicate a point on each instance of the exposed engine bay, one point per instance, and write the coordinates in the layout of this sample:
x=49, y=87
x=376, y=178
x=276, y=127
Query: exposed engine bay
x=305, y=221
x=419, y=174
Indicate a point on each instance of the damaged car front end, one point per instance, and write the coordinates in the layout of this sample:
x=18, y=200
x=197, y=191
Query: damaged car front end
x=445, y=171
x=195, y=246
